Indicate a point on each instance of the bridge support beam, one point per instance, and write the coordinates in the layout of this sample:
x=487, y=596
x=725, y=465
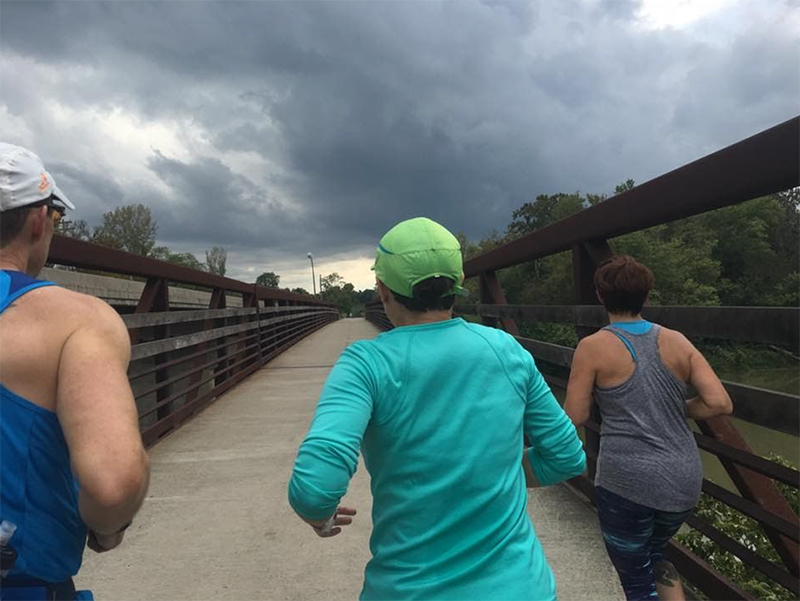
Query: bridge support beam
x=586, y=257
x=492, y=294
x=757, y=488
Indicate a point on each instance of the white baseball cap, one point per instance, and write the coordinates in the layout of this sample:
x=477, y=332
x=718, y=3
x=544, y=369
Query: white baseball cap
x=24, y=180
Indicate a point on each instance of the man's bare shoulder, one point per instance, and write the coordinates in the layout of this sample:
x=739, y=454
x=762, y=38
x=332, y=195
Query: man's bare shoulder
x=73, y=309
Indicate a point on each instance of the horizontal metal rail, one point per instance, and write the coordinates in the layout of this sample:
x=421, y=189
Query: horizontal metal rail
x=157, y=347
x=767, y=325
x=766, y=567
x=85, y=255
x=299, y=329
x=215, y=348
x=156, y=431
x=143, y=320
x=762, y=164
x=768, y=408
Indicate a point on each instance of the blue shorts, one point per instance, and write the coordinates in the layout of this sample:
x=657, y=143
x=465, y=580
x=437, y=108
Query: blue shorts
x=635, y=538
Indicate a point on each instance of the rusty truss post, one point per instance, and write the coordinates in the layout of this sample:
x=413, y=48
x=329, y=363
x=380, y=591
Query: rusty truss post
x=757, y=488
x=155, y=299
x=492, y=294
x=219, y=301
x=585, y=259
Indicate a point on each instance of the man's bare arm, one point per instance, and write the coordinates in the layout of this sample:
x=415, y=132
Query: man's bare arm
x=98, y=415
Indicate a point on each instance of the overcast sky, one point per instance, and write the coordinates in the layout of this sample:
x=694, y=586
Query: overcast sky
x=278, y=128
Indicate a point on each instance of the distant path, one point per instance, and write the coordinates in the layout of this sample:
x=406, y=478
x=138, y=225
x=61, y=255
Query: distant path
x=217, y=524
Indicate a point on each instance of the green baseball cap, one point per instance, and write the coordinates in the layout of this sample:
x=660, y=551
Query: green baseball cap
x=415, y=250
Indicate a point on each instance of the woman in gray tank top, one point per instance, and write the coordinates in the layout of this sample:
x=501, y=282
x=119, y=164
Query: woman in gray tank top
x=648, y=474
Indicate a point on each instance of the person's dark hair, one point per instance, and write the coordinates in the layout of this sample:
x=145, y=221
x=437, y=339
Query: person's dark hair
x=13, y=221
x=428, y=295
x=623, y=284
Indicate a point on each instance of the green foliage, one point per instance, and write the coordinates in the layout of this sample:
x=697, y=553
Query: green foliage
x=300, y=291
x=366, y=296
x=268, y=279
x=162, y=253
x=747, y=254
x=216, y=259
x=756, y=253
x=726, y=354
x=74, y=229
x=745, y=531
x=130, y=228
x=681, y=259
x=555, y=333
x=546, y=209
x=342, y=294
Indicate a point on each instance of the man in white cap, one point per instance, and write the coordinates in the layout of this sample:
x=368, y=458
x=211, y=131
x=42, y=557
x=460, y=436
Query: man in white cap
x=72, y=463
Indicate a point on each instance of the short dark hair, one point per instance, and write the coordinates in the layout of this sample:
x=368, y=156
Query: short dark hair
x=623, y=284
x=427, y=295
x=13, y=221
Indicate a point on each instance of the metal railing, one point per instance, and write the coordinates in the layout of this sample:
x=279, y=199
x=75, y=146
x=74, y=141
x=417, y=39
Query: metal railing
x=181, y=360
x=374, y=312
x=766, y=163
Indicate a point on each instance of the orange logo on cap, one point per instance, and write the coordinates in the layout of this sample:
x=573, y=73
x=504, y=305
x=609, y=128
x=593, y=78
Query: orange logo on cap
x=44, y=184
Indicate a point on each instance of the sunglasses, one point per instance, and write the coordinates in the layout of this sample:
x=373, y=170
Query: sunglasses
x=55, y=213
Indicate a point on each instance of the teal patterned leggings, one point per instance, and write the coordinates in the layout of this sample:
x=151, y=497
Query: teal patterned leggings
x=635, y=538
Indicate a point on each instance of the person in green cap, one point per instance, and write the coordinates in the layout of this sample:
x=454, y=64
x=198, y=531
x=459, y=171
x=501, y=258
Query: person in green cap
x=438, y=407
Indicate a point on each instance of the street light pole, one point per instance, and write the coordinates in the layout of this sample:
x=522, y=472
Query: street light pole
x=313, y=277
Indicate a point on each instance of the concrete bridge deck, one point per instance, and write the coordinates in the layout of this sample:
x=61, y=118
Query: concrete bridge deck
x=217, y=525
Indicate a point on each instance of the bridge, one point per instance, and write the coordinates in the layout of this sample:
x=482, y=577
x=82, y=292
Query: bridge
x=226, y=381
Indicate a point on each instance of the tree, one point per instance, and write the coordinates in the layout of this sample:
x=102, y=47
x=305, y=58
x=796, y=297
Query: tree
x=268, y=279
x=300, y=291
x=216, y=259
x=331, y=281
x=342, y=294
x=628, y=184
x=74, y=229
x=546, y=209
x=130, y=228
x=162, y=253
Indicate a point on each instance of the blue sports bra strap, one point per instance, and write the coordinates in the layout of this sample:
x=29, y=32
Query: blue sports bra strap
x=625, y=341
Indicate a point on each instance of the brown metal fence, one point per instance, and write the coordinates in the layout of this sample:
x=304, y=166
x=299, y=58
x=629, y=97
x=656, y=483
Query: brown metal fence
x=763, y=164
x=181, y=360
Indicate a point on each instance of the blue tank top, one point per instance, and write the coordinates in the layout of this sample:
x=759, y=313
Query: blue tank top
x=38, y=492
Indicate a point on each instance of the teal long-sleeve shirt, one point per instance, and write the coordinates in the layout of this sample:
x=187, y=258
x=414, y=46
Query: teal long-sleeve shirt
x=438, y=411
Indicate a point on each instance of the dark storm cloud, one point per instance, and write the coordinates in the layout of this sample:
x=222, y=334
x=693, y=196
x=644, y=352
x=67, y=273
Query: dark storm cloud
x=366, y=113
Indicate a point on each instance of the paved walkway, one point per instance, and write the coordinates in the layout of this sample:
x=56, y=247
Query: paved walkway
x=217, y=525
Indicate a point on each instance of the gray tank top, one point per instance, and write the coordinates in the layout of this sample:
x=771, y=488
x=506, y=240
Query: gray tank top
x=648, y=453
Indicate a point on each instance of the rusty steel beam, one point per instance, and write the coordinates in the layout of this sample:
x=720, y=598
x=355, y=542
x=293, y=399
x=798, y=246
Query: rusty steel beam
x=586, y=257
x=492, y=292
x=85, y=255
x=704, y=576
x=756, y=488
x=768, y=325
x=154, y=293
x=765, y=163
x=216, y=302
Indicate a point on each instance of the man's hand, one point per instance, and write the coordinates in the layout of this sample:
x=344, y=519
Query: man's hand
x=342, y=517
x=100, y=543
